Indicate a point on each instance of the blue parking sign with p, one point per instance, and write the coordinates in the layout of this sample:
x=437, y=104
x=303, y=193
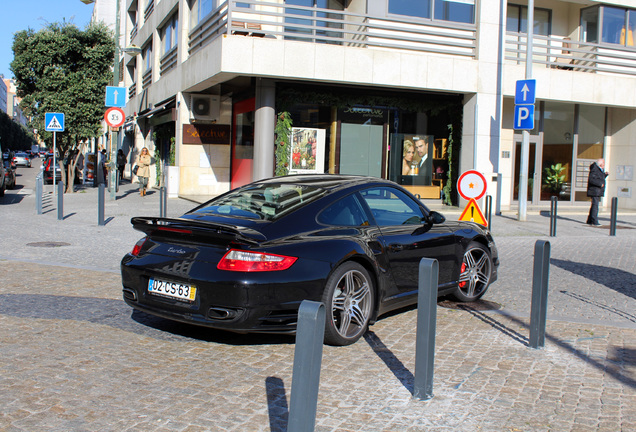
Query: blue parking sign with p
x=524, y=117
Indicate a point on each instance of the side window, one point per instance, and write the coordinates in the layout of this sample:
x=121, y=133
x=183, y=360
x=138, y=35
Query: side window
x=392, y=207
x=345, y=212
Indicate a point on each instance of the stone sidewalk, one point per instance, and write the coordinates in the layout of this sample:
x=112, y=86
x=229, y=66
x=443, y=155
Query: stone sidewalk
x=74, y=356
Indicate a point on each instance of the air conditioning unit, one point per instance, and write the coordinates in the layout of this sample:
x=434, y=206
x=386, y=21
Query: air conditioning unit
x=204, y=107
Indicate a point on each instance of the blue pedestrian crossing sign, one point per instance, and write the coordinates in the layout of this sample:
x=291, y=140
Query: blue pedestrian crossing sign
x=115, y=96
x=54, y=122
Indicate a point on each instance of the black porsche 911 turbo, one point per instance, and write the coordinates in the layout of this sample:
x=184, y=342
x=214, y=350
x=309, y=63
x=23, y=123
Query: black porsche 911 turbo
x=245, y=260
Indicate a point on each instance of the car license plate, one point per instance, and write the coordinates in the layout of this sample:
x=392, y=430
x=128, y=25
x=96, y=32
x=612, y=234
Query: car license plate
x=172, y=289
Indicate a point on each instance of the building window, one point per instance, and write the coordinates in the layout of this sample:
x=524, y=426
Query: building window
x=413, y=8
x=170, y=33
x=147, y=57
x=517, y=20
x=456, y=11
x=616, y=25
x=306, y=26
x=199, y=9
x=443, y=10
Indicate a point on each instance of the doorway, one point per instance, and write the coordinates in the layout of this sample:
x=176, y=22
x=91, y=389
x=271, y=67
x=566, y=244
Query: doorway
x=534, y=177
x=361, y=150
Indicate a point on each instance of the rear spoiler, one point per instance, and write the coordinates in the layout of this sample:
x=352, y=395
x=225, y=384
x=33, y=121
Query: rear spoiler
x=196, y=229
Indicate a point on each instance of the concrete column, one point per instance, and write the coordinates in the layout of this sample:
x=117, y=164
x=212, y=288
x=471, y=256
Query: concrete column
x=264, y=124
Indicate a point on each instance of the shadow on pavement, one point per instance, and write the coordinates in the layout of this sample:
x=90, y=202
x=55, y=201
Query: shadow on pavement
x=11, y=198
x=207, y=334
x=617, y=358
x=622, y=314
x=277, y=406
x=495, y=324
x=615, y=279
x=394, y=364
x=117, y=314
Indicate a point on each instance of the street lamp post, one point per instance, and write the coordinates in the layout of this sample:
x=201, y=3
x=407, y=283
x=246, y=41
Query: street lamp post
x=112, y=181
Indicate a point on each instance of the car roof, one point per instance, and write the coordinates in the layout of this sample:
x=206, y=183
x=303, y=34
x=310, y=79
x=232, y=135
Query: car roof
x=325, y=181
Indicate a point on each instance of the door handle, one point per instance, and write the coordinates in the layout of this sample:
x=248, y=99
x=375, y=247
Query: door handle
x=396, y=247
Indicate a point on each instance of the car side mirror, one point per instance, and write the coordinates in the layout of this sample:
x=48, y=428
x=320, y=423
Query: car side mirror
x=436, y=218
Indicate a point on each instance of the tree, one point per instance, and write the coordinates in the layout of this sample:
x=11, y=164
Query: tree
x=64, y=69
x=14, y=136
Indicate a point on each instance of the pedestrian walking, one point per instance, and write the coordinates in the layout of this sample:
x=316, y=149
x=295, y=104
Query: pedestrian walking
x=121, y=164
x=596, y=189
x=143, y=170
x=102, y=173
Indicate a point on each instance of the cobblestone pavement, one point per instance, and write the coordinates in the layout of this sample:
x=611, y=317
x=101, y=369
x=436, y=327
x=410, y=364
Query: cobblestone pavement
x=74, y=356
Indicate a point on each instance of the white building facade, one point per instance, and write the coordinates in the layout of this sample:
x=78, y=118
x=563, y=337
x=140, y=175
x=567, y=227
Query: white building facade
x=364, y=81
x=3, y=95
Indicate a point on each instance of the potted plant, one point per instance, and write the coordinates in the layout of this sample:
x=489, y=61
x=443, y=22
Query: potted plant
x=553, y=178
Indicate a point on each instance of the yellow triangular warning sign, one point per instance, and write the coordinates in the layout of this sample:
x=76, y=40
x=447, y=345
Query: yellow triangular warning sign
x=472, y=213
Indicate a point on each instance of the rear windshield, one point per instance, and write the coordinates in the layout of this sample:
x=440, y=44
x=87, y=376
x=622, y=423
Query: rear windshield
x=266, y=202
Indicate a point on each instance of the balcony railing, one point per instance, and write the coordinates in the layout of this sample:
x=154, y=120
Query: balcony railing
x=146, y=79
x=563, y=53
x=329, y=26
x=132, y=90
x=133, y=31
x=149, y=9
x=168, y=61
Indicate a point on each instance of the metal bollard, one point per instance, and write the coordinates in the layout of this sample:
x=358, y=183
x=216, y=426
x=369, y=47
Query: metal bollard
x=553, y=216
x=163, y=202
x=60, y=201
x=426, y=323
x=489, y=211
x=39, y=186
x=540, y=276
x=100, y=204
x=310, y=333
x=613, y=216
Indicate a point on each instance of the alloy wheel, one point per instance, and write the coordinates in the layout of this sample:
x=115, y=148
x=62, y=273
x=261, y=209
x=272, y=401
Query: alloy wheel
x=475, y=273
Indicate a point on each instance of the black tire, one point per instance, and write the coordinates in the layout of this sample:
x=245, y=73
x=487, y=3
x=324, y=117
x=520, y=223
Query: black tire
x=2, y=191
x=475, y=273
x=349, y=302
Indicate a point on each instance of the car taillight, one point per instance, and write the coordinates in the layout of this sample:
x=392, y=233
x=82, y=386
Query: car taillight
x=138, y=246
x=238, y=260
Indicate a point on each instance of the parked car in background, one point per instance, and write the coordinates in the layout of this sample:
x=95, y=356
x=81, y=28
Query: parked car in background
x=48, y=172
x=244, y=261
x=48, y=176
x=9, y=174
x=22, y=159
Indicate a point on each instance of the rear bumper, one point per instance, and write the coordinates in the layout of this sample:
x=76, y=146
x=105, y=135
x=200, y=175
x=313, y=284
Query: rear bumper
x=246, y=303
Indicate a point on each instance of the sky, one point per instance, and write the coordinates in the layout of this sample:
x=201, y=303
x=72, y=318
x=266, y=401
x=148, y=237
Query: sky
x=16, y=15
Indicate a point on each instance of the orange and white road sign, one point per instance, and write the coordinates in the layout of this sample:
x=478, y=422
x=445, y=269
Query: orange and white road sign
x=472, y=213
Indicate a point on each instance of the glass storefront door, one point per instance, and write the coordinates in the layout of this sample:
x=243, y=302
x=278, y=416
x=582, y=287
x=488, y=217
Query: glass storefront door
x=242, y=143
x=555, y=172
x=533, y=190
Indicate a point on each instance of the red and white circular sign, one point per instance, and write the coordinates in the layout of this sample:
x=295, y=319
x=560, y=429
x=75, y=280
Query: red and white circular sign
x=114, y=117
x=471, y=185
